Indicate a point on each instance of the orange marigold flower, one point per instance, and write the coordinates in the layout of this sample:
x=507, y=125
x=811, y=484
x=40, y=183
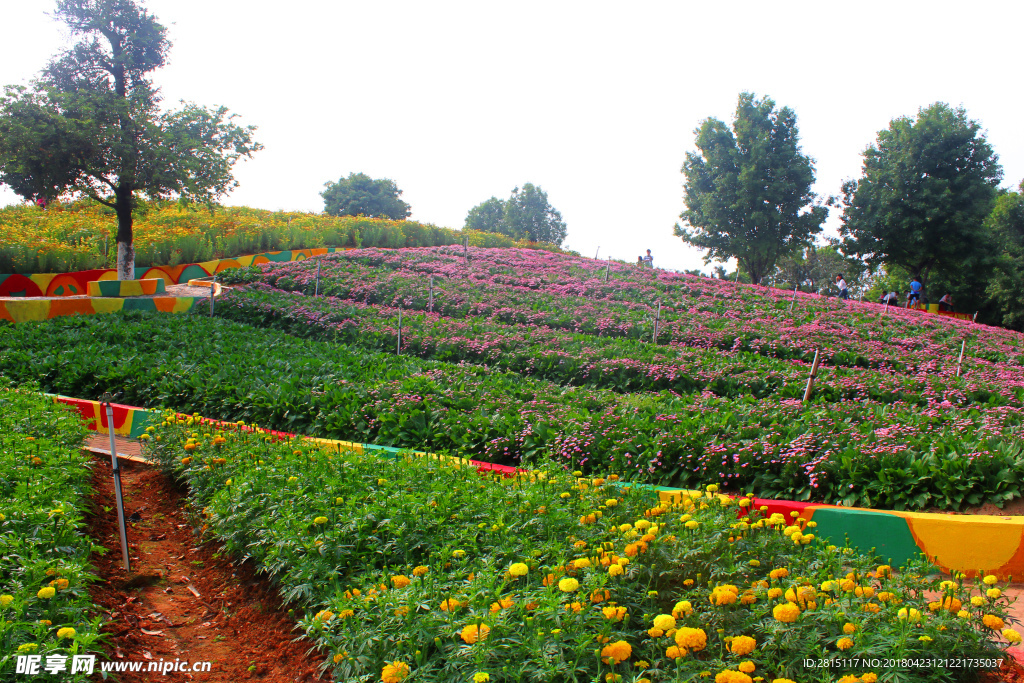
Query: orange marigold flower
x=617, y=652
x=473, y=633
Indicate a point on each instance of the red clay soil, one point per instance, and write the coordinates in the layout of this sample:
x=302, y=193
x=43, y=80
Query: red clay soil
x=182, y=600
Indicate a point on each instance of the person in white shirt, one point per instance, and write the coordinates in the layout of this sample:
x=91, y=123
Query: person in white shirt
x=844, y=293
x=946, y=302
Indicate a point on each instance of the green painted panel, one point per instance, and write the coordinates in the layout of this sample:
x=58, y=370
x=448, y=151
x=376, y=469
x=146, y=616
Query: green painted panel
x=139, y=305
x=281, y=257
x=889, y=535
x=193, y=272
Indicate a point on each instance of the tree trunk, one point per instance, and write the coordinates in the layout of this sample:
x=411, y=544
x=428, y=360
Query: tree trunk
x=125, y=244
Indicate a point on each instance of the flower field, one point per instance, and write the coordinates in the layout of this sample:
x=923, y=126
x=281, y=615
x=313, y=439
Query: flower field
x=81, y=235
x=45, y=608
x=418, y=569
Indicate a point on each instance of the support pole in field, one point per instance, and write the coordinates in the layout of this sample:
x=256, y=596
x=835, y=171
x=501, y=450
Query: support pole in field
x=607, y=268
x=963, y=345
x=465, y=249
x=398, y=349
x=430, y=300
x=885, y=307
x=810, y=380
x=316, y=292
x=117, y=482
x=597, y=252
x=213, y=288
x=657, y=320
x=795, y=290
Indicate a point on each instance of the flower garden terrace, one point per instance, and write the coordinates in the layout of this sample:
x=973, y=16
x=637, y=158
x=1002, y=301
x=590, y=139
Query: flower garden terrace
x=419, y=569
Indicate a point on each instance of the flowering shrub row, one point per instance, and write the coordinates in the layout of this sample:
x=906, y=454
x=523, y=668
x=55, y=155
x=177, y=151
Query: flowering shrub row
x=420, y=569
x=45, y=608
x=81, y=235
x=868, y=453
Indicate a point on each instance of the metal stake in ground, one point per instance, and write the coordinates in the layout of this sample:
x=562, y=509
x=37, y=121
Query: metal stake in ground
x=465, y=249
x=398, y=349
x=795, y=290
x=213, y=287
x=657, y=320
x=316, y=292
x=963, y=345
x=430, y=305
x=607, y=268
x=810, y=380
x=597, y=252
x=117, y=482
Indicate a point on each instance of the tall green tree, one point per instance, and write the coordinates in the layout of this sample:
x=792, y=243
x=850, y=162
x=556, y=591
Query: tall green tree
x=927, y=186
x=526, y=214
x=748, y=189
x=91, y=124
x=814, y=269
x=488, y=216
x=361, y=195
x=1006, y=287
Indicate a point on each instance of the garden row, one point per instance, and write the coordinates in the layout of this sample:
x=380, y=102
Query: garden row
x=419, y=569
x=895, y=455
x=45, y=609
x=621, y=364
x=81, y=235
x=570, y=293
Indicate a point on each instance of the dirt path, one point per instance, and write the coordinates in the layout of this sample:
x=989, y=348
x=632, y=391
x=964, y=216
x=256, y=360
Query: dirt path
x=183, y=601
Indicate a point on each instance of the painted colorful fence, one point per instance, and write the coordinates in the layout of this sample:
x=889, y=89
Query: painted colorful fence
x=43, y=309
x=76, y=284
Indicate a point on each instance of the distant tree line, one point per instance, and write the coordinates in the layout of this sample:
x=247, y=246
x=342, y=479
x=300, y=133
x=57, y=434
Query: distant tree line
x=927, y=205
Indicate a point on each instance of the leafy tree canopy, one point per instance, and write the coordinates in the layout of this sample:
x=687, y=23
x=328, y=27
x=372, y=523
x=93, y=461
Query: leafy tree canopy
x=361, y=195
x=927, y=186
x=814, y=269
x=91, y=125
x=1006, y=288
x=748, y=190
x=526, y=214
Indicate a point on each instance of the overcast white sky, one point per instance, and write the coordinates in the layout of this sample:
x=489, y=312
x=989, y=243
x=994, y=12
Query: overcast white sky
x=596, y=102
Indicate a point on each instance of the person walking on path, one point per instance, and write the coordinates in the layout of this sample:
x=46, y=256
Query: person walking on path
x=844, y=292
x=916, y=290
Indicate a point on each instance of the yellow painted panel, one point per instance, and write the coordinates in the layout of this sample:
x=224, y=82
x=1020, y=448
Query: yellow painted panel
x=110, y=305
x=23, y=311
x=967, y=542
x=108, y=275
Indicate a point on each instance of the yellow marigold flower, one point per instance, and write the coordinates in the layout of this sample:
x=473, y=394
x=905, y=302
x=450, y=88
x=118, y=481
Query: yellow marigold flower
x=581, y=563
x=318, y=520
x=993, y=593
x=481, y=677
x=395, y=672
x=786, y=613
x=951, y=604
x=849, y=628
x=844, y=643
x=869, y=677
x=617, y=652
x=68, y=632
x=472, y=634
x=614, y=613
x=990, y=579
x=722, y=597
x=925, y=639
x=692, y=638
x=450, y=604
x=730, y=676
x=849, y=678
x=345, y=613
x=420, y=570
x=774, y=592
x=692, y=524
x=324, y=615
x=459, y=554
x=400, y=581
x=712, y=488
x=747, y=667
x=963, y=614
x=518, y=569
x=46, y=593
x=185, y=461
x=615, y=570
x=1011, y=635
x=977, y=601
x=568, y=585
x=664, y=622
x=611, y=502
x=675, y=652
x=992, y=621
x=292, y=480
x=682, y=608
x=6, y=600
x=742, y=645
x=885, y=596
x=779, y=573
x=27, y=647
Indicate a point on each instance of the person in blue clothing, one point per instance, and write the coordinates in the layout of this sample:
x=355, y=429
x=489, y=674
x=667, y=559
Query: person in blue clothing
x=916, y=290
